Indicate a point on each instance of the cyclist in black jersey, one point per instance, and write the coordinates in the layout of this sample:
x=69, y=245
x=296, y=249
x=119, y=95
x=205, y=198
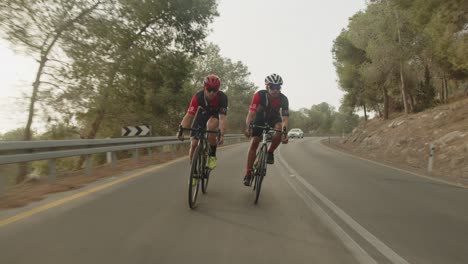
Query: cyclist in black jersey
x=270, y=107
x=210, y=108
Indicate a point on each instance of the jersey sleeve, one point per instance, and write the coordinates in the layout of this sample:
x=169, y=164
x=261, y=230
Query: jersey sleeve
x=285, y=106
x=192, y=110
x=223, y=104
x=255, y=102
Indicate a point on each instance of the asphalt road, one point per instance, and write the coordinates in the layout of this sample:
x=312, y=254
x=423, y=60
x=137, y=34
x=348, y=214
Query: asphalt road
x=317, y=206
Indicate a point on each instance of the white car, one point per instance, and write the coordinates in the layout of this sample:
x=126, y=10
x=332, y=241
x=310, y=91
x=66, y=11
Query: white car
x=295, y=133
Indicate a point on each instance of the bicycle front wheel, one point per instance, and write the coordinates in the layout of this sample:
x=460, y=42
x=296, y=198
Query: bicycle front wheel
x=261, y=171
x=206, y=174
x=196, y=172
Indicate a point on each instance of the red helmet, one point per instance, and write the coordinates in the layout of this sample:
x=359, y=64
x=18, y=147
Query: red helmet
x=212, y=81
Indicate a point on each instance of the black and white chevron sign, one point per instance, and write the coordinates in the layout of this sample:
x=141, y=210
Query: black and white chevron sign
x=131, y=131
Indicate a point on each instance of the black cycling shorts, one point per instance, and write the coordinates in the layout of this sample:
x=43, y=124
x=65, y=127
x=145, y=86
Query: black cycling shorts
x=200, y=121
x=259, y=121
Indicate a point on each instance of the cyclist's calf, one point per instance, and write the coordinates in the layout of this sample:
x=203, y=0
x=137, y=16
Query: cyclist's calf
x=212, y=124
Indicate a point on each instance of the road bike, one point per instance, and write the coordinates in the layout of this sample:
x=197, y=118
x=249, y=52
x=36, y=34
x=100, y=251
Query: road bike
x=199, y=171
x=260, y=165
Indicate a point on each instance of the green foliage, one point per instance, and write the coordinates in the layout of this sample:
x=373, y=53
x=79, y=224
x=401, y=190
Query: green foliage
x=36, y=28
x=322, y=119
x=13, y=135
x=234, y=82
x=131, y=64
x=58, y=131
x=426, y=39
x=426, y=92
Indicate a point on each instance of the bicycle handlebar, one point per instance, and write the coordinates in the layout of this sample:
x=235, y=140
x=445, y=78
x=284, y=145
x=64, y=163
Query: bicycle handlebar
x=181, y=130
x=268, y=128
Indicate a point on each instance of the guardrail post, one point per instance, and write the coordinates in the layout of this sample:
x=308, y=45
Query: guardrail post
x=135, y=155
x=88, y=165
x=431, y=157
x=109, y=157
x=173, y=151
x=114, y=160
x=150, y=152
x=3, y=183
x=52, y=171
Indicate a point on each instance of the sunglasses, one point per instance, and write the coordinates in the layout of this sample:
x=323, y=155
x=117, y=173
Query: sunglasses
x=212, y=90
x=275, y=87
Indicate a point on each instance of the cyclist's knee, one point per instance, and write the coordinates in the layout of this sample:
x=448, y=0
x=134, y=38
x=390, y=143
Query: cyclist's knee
x=212, y=138
x=212, y=123
x=278, y=125
x=255, y=143
x=277, y=135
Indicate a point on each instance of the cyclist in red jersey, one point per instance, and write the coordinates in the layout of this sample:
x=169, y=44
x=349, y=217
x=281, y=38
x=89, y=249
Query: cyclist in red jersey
x=210, y=107
x=270, y=107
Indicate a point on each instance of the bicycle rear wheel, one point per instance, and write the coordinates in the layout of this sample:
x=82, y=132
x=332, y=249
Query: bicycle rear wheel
x=195, y=176
x=261, y=170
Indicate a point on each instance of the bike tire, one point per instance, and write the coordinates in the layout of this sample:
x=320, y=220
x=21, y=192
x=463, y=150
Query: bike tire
x=260, y=174
x=206, y=174
x=195, y=172
x=205, y=180
x=253, y=181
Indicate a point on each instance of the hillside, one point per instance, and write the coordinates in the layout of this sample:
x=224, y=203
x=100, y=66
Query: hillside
x=405, y=139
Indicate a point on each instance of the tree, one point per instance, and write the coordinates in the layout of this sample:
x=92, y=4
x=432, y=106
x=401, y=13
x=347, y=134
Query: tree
x=153, y=28
x=348, y=60
x=113, y=51
x=299, y=119
x=36, y=28
x=14, y=135
x=402, y=42
x=426, y=92
x=401, y=56
x=321, y=118
x=436, y=29
x=234, y=82
x=344, y=120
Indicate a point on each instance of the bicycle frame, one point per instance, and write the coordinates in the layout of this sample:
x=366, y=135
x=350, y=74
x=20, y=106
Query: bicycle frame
x=260, y=165
x=199, y=172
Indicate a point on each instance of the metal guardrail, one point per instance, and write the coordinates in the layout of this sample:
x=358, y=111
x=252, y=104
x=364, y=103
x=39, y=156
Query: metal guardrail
x=26, y=151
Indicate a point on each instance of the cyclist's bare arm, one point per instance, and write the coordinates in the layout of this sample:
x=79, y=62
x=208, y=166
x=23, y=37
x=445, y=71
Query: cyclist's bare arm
x=248, y=120
x=222, y=123
x=222, y=127
x=285, y=120
x=191, y=112
x=186, y=121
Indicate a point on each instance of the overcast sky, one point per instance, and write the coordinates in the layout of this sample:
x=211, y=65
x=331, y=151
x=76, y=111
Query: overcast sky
x=291, y=38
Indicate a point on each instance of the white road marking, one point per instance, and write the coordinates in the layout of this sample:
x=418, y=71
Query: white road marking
x=374, y=241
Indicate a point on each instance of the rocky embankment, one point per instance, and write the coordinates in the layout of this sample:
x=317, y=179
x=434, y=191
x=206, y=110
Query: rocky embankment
x=406, y=140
